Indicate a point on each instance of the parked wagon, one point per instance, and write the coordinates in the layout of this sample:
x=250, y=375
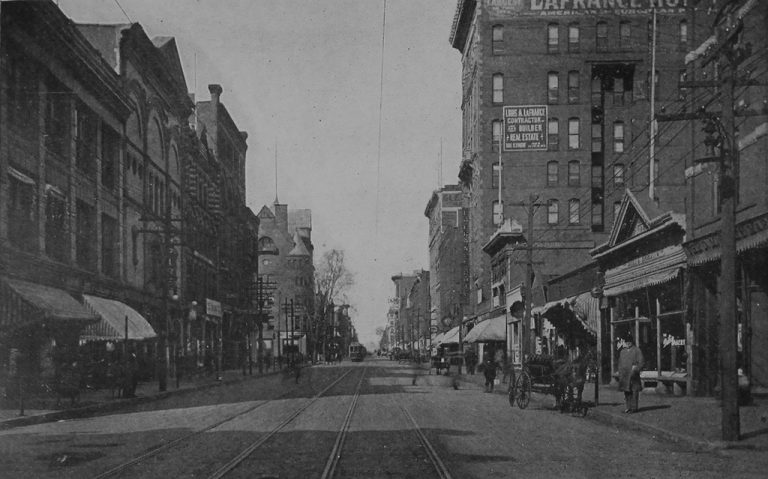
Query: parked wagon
x=563, y=379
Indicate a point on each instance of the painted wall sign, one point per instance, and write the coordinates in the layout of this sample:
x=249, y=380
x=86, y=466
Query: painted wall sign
x=525, y=128
x=502, y=8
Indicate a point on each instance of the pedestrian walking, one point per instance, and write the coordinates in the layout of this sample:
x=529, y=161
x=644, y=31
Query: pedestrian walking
x=489, y=370
x=470, y=357
x=630, y=363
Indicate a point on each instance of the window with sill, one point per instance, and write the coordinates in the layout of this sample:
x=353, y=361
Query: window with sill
x=574, y=211
x=56, y=231
x=573, y=38
x=553, y=87
x=553, y=212
x=497, y=35
x=573, y=86
x=574, y=173
x=553, y=38
x=553, y=134
x=498, y=88
x=552, y=173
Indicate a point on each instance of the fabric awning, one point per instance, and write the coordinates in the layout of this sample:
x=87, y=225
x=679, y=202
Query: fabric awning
x=587, y=310
x=113, y=315
x=451, y=337
x=649, y=270
x=437, y=339
x=22, y=301
x=494, y=329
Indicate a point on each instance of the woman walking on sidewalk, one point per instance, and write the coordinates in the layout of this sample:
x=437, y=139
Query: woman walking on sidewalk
x=630, y=362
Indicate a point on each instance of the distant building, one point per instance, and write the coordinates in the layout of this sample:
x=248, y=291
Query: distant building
x=448, y=257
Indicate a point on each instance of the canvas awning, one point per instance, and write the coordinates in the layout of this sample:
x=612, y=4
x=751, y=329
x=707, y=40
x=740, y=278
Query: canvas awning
x=493, y=329
x=649, y=270
x=112, y=326
x=587, y=310
x=437, y=339
x=22, y=302
x=451, y=337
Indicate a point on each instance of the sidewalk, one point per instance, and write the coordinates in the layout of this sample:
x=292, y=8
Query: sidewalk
x=39, y=410
x=695, y=421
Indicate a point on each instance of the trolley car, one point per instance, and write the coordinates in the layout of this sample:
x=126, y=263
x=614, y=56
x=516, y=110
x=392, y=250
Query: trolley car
x=357, y=352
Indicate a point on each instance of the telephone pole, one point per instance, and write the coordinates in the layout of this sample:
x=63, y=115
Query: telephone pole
x=526, y=340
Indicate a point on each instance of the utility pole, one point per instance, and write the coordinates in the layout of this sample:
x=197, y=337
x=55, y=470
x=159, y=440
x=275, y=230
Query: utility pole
x=526, y=340
x=728, y=51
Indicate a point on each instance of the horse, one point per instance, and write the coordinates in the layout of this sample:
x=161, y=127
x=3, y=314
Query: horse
x=570, y=377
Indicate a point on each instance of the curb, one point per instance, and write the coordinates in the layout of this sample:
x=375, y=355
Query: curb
x=85, y=411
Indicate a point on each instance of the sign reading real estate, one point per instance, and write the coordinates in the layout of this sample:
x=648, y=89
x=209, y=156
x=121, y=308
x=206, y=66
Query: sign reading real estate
x=525, y=128
x=213, y=308
x=507, y=8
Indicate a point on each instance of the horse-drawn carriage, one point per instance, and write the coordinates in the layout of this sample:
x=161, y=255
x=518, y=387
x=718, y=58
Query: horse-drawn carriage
x=562, y=378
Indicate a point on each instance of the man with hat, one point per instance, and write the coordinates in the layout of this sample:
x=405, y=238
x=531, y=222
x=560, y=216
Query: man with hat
x=630, y=362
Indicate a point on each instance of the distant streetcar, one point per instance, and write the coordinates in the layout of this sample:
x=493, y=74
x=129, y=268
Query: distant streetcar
x=357, y=352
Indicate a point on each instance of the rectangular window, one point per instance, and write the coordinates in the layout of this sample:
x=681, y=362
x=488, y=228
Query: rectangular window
x=618, y=174
x=573, y=134
x=597, y=214
x=21, y=211
x=597, y=137
x=110, y=155
x=553, y=38
x=498, y=88
x=573, y=212
x=110, y=246
x=56, y=237
x=86, y=125
x=573, y=38
x=618, y=137
x=602, y=36
x=57, y=121
x=553, y=85
x=574, y=173
x=498, y=39
x=553, y=134
x=618, y=91
x=86, y=236
x=625, y=35
x=573, y=87
x=683, y=32
x=597, y=176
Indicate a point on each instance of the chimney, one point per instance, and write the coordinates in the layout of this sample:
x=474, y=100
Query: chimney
x=216, y=91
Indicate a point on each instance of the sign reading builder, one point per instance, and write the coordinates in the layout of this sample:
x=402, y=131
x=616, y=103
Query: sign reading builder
x=525, y=128
x=504, y=8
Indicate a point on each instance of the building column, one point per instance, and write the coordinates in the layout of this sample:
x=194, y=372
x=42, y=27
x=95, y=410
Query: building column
x=97, y=207
x=72, y=198
x=41, y=182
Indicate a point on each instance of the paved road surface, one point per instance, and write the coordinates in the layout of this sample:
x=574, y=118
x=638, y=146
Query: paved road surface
x=398, y=428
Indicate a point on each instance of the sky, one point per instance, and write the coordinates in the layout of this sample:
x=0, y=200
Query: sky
x=304, y=79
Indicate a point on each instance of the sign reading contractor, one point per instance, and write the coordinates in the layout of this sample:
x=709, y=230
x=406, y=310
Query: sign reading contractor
x=525, y=128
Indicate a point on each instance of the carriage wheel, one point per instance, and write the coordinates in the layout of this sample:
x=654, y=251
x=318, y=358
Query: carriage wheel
x=511, y=393
x=523, y=389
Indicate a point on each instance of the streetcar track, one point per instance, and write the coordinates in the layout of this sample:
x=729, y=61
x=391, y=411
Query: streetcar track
x=165, y=446
x=237, y=460
x=335, y=456
x=434, y=457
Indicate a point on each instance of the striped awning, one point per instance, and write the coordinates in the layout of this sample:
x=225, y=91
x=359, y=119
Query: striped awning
x=649, y=270
x=115, y=317
x=23, y=302
x=451, y=337
x=587, y=310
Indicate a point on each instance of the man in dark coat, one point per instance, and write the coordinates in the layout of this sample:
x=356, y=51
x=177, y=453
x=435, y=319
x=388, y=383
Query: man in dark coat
x=489, y=370
x=630, y=363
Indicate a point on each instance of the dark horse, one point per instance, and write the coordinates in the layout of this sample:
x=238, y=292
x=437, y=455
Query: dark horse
x=570, y=376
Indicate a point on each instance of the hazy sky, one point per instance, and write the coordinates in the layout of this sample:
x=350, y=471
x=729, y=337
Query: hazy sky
x=305, y=75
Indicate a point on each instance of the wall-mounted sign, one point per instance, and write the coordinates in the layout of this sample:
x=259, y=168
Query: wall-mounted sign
x=525, y=128
x=507, y=8
x=213, y=308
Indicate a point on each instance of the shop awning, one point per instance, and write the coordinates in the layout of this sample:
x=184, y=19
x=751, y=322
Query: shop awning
x=649, y=270
x=587, y=310
x=493, y=329
x=451, y=337
x=437, y=339
x=22, y=301
x=113, y=315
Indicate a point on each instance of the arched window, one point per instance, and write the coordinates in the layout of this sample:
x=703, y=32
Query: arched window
x=573, y=38
x=573, y=86
x=553, y=87
x=574, y=214
x=553, y=38
x=574, y=173
x=498, y=88
x=602, y=36
x=497, y=35
x=496, y=134
x=553, y=212
x=682, y=30
x=266, y=244
x=552, y=173
x=553, y=134
x=498, y=213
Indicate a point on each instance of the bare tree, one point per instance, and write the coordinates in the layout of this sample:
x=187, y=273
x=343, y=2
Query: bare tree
x=332, y=282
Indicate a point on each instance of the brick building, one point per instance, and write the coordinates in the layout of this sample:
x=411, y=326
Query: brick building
x=588, y=71
x=403, y=330
x=448, y=256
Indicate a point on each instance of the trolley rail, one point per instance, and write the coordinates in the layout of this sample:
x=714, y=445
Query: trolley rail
x=168, y=445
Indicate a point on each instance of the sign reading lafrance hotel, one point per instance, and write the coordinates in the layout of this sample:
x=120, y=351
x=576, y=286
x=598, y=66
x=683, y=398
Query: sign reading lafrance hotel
x=501, y=8
x=525, y=128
